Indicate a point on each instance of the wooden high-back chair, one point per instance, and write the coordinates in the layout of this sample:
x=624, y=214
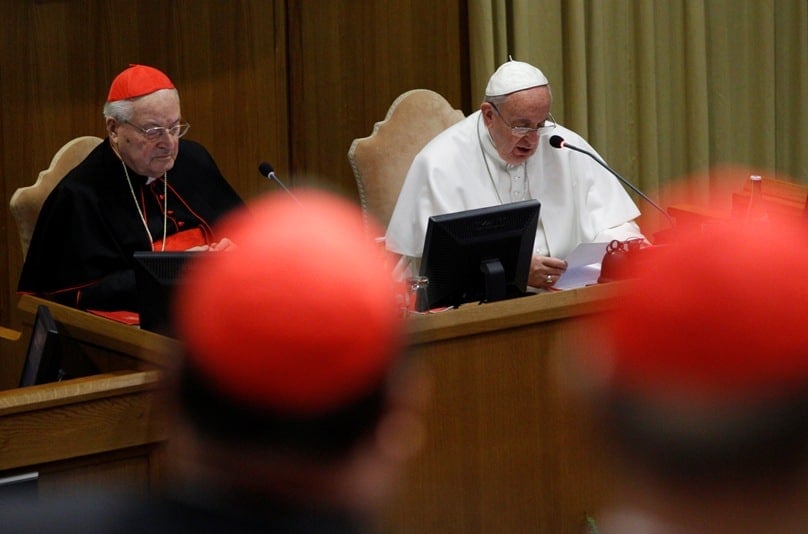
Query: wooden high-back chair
x=27, y=201
x=380, y=161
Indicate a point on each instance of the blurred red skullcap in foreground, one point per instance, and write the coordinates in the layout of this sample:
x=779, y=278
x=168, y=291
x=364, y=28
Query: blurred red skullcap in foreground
x=721, y=315
x=301, y=316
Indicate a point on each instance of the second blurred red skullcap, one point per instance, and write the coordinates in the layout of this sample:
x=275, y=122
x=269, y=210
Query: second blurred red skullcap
x=137, y=80
x=301, y=317
x=720, y=316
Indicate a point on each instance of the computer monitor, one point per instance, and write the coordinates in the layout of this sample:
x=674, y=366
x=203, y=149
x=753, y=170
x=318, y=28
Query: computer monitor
x=43, y=361
x=157, y=275
x=479, y=255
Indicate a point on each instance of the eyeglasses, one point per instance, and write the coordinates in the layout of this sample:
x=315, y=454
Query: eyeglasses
x=155, y=132
x=521, y=131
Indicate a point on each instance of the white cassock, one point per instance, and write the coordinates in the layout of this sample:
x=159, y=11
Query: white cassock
x=581, y=202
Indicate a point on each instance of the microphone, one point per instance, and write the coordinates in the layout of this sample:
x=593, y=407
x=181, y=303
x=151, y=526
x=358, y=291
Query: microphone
x=557, y=141
x=267, y=171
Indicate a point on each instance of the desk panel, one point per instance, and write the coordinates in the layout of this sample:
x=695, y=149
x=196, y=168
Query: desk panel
x=508, y=448
x=509, y=445
x=107, y=428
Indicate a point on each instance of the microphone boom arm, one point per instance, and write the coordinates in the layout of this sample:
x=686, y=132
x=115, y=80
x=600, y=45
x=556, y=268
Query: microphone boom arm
x=267, y=171
x=620, y=178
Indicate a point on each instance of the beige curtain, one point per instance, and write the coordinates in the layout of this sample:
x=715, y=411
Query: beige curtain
x=664, y=89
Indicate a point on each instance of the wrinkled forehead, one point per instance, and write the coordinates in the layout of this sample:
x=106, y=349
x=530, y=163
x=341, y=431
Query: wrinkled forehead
x=528, y=103
x=159, y=107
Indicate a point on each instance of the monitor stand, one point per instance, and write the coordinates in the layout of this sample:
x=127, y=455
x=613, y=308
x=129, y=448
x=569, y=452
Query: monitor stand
x=495, y=284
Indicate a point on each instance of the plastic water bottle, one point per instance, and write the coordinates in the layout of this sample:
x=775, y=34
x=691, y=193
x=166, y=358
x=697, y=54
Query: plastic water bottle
x=756, y=210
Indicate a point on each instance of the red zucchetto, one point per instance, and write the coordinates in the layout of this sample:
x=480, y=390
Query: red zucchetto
x=137, y=80
x=722, y=316
x=301, y=317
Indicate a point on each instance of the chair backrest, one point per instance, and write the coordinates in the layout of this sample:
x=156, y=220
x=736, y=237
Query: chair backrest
x=380, y=161
x=27, y=201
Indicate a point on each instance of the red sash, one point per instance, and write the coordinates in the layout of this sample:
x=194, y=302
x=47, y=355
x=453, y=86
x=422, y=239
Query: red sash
x=182, y=240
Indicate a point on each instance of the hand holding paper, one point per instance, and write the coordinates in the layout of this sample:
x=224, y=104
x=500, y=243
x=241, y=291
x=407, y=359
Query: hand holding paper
x=583, y=266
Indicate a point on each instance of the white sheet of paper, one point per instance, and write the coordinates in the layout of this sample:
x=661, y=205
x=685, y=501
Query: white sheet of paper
x=583, y=266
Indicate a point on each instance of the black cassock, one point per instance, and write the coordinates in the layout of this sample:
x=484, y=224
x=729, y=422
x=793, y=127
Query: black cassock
x=89, y=226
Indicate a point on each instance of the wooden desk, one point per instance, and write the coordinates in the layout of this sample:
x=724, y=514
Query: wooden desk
x=93, y=430
x=509, y=447
x=111, y=345
x=782, y=201
x=101, y=429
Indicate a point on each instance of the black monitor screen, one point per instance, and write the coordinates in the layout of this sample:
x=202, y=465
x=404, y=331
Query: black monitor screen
x=44, y=359
x=479, y=255
x=156, y=276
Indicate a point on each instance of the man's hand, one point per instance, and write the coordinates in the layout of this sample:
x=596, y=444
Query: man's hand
x=545, y=271
x=224, y=244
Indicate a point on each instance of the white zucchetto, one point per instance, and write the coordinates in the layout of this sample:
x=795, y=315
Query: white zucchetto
x=514, y=76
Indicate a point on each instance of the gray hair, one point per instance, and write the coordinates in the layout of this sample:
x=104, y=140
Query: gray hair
x=499, y=99
x=496, y=100
x=121, y=110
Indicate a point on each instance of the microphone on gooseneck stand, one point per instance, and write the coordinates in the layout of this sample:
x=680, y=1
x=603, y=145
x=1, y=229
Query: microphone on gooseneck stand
x=557, y=141
x=267, y=171
x=615, y=264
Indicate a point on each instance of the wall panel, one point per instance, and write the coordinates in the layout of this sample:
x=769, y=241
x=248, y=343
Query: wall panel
x=351, y=59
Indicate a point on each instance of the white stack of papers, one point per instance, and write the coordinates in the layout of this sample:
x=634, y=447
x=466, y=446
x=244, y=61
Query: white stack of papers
x=583, y=266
